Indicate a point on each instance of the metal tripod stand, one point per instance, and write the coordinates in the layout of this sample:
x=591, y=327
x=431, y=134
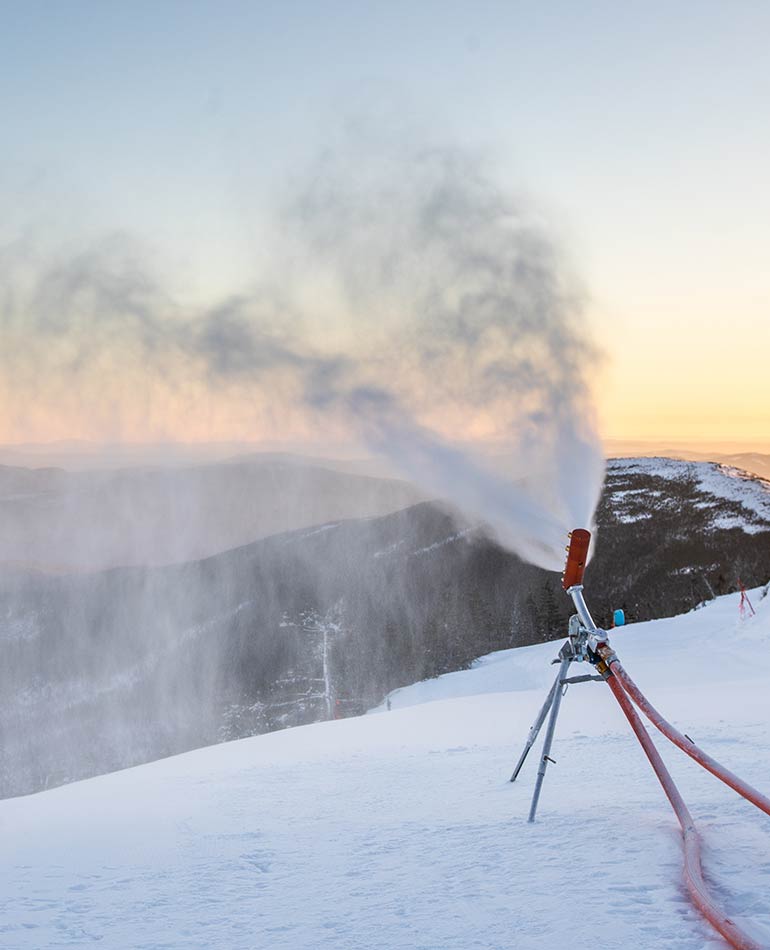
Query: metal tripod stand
x=582, y=640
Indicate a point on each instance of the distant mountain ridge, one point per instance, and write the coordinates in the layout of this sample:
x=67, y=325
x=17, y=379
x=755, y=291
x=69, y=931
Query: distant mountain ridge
x=732, y=496
x=59, y=520
x=753, y=462
x=112, y=668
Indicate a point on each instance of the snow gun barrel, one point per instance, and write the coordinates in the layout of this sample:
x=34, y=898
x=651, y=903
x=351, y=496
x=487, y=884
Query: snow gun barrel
x=572, y=578
x=577, y=555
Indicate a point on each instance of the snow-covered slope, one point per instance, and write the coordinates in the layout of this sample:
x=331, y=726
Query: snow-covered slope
x=732, y=497
x=400, y=829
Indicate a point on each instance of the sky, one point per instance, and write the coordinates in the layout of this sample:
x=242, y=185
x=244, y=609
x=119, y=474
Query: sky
x=639, y=131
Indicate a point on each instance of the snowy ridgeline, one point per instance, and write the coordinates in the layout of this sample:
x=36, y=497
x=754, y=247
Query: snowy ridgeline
x=400, y=830
x=731, y=498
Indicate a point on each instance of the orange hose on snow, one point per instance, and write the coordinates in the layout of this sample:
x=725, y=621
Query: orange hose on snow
x=693, y=874
x=711, y=765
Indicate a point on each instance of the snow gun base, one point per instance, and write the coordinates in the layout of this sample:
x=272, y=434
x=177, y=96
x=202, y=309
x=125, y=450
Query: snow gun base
x=588, y=643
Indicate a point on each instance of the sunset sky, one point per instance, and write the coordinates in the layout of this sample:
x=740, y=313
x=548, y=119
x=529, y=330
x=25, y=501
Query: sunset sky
x=640, y=131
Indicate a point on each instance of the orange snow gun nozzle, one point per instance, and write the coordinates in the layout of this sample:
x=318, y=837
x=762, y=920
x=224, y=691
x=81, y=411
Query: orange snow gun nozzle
x=577, y=555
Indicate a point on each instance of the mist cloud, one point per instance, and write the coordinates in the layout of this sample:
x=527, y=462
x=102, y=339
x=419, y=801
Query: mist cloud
x=411, y=304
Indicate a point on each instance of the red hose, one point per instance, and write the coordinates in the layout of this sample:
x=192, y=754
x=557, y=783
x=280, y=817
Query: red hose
x=711, y=765
x=693, y=875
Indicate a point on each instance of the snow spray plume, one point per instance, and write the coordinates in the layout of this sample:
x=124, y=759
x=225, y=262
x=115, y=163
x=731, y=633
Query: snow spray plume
x=414, y=307
x=411, y=305
x=444, y=318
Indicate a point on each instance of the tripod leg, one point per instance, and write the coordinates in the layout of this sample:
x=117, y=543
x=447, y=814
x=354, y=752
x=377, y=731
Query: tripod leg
x=549, y=737
x=536, y=727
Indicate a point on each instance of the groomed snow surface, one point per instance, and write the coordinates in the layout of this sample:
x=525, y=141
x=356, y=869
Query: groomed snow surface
x=401, y=830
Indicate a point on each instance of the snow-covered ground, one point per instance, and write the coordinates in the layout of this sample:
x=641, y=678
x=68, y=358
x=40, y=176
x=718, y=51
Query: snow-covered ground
x=400, y=829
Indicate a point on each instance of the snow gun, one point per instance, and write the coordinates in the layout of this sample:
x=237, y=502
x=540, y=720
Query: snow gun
x=572, y=582
x=589, y=643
